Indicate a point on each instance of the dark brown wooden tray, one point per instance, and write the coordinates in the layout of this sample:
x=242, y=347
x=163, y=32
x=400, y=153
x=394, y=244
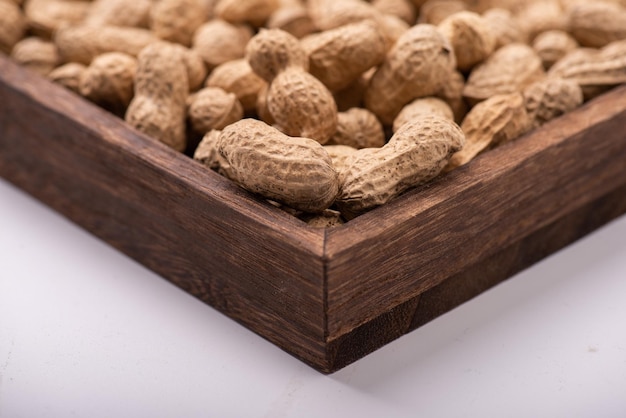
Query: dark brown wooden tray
x=327, y=297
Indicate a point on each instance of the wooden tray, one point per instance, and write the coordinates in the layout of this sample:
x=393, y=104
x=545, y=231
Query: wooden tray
x=327, y=297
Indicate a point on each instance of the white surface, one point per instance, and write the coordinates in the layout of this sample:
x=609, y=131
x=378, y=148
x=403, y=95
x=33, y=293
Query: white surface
x=86, y=332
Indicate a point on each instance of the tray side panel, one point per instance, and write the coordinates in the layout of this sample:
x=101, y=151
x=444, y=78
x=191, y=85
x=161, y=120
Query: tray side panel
x=161, y=208
x=394, y=253
x=474, y=280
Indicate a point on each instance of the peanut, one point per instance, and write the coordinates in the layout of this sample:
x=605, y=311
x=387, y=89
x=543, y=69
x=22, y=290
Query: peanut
x=119, y=13
x=550, y=98
x=36, y=54
x=218, y=41
x=177, y=20
x=495, y=121
x=331, y=14
x=402, y=9
x=470, y=37
x=206, y=152
x=299, y=103
x=339, y=56
x=255, y=12
x=420, y=107
x=293, y=19
x=504, y=27
x=358, y=128
x=327, y=219
x=46, y=16
x=109, y=81
x=237, y=77
x=340, y=155
x=213, y=108
x=68, y=75
x=414, y=155
x=12, y=26
x=83, y=43
x=541, y=16
x=596, y=24
x=293, y=171
x=553, y=45
x=417, y=66
x=161, y=87
x=452, y=94
x=509, y=69
x=435, y=11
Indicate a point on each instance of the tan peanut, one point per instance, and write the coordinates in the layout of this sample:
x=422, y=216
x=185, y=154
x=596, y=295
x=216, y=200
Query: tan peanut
x=177, y=20
x=593, y=70
x=596, y=24
x=293, y=171
x=421, y=107
x=358, y=128
x=504, y=27
x=83, y=43
x=109, y=81
x=44, y=17
x=134, y=13
x=418, y=65
x=327, y=219
x=293, y=19
x=470, y=37
x=550, y=98
x=36, y=54
x=435, y=11
x=237, y=77
x=497, y=120
x=213, y=108
x=299, y=103
x=12, y=26
x=218, y=41
x=331, y=14
x=402, y=9
x=340, y=155
x=414, y=155
x=452, y=94
x=161, y=88
x=206, y=152
x=255, y=12
x=553, y=45
x=352, y=96
x=509, y=69
x=541, y=16
x=68, y=75
x=337, y=57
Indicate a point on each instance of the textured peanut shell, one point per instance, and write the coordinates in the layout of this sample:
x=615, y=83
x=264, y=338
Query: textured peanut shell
x=272, y=51
x=109, y=81
x=237, y=77
x=255, y=12
x=470, y=36
x=213, y=108
x=421, y=107
x=327, y=219
x=218, y=41
x=553, y=45
x=596, y=24
x=44, y=17
x=83, y=43
x=414, y=155
x=331, y=14
x=435, y=11
x=551, y=98
x=492, y=122
x=134, y=13
x=358, y=128
x=541, y=16
x=452, y=94
x=302, y=106
x=339, y=56
x=403, y=9
x=340, y=155
x=12, y=26
x=417, y=66
x=292, y=19
x=504, y=27
x=36, y=54
x=161, y=88
x=290, y=170
x=177, y=20
x=509, y=69
x=592, y=69
x=68, y=75
x=206, y=151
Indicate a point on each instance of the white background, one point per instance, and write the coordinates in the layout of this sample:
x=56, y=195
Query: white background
x=87, y=332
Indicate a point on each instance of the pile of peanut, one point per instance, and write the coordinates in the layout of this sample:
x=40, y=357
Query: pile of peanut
x=326, y=108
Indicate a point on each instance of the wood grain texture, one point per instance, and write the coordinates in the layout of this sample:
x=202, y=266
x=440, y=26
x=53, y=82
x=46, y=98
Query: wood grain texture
x=327, y=297
x=254, y=263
